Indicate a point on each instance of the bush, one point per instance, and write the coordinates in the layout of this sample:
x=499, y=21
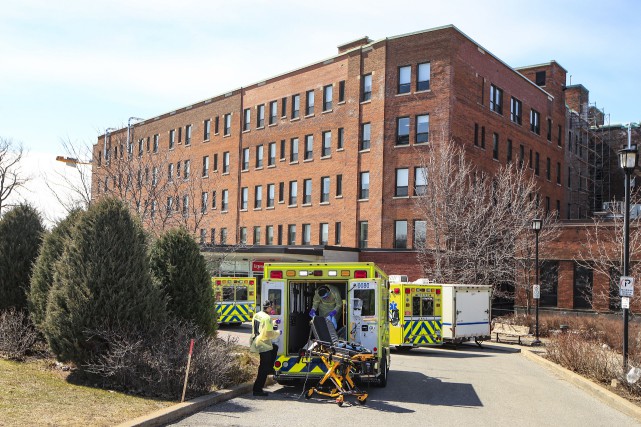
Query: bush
x=180, y=270
x=42, y=277
x=20, y=237
x=155, y=365
x=102, y=280
x=17, y=335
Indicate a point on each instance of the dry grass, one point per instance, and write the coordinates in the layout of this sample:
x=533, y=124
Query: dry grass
x=35, y=393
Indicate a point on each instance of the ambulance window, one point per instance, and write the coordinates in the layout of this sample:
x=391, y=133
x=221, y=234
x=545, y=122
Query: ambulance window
x=228, y=293
x=427, y=306
x=275, y=296
x=416, y=306
x=368, y=296
x=241, y=293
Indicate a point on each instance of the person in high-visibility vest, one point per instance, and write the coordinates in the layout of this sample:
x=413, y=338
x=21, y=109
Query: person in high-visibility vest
x=261, y=342
x=327, y=303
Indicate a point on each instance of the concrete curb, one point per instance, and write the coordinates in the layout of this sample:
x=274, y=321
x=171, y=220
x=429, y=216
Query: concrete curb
x=173, y=413
x=594, y=389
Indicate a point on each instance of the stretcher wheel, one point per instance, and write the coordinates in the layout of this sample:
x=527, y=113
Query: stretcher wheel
x=309, y=393
x=362, y=400
x=339, y=401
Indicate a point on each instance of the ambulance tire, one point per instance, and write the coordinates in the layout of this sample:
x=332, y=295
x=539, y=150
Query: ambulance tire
x=382, y=378
x=403, y=348
x=236, y=324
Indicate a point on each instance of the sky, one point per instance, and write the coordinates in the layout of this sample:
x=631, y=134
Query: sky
x=69, y=69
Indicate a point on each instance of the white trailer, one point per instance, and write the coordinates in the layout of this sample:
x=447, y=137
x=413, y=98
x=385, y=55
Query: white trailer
x=467, y=312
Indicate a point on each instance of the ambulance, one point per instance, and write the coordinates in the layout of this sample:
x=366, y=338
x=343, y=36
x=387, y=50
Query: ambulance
x=415, y=313
x=364, y=288
x=235, y=299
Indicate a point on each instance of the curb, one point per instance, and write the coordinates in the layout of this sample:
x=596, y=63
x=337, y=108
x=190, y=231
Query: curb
x=172, y=413
x=606, y=396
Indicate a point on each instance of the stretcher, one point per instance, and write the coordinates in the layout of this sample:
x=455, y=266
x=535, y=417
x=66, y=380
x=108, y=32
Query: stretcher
x=341, y=358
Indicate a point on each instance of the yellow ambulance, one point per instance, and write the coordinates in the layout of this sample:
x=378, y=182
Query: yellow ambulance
x=235, y=299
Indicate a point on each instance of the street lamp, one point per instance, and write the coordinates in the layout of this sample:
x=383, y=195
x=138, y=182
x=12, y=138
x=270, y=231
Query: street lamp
x=628, y=161
x=536, y=226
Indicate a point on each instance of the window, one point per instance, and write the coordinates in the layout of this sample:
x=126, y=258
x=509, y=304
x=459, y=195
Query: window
x=496, y=99
x=324, y=189
x=327, y=97
x=404, y=79
x=245, y=159
x=422, y=128
x=170, y=205
x=282, y=149
x=515, y=110
x=307, y=234
x=140, y=150
x=400, y=234
x=483, y=137
x=548, y=167
x=291, y=234
x=309, y=147
x=540, y=78
x=549, y=135
x=256, y=235
x=558, y=173
x=205, y=166
x=340, y=142
x=213, y=199
x=269, y=235
x=258, y=197
x=309, y=103
x=283, y=113
x=509, y=151
x=273, y=112
x=227, y=129
x=215, y=169
x=213, y=236
x=172, y=139
x=270, y=195
x=521, y=155
x=495, y=146
x=224, y=202
x=423, y=77
x=156, y=143
x=365, y=136
x=293, y=150
x=402, y=178
x=535, y=122
x=204, y=202
x=154, y=208
x=293, y=192
x=154, y=176
x=536, y=164
x=363, y=190
x=402, y=131
x=226, y=162
x=307, y=191
x=259, y=156
x=223, y=236
x=216, y=125
x=323, y=233
x=327, y=143
x=185, y=205
x=243, y=235
x=420, y=181
x=187, y=169
x=281, y=192
x=337, y=233
x=582, y=289
x=244, y=196
x=271, y=159
x=295, y=106
x=339, y=185
x=366, y=88
x=531, y=165
x=362, y=234
x=187, y=134
x=476, y=134
x=206, y=129
x=247, y=118
x=341, y=91
x=260, y=116
x=280, y=234
x=420, y=233
x=170, y=172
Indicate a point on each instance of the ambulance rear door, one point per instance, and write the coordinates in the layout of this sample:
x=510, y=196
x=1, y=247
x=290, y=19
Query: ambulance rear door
x=274, y=291
x=363, y=309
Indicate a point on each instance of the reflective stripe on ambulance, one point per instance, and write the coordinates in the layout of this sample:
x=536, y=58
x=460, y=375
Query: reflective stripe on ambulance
x=422, y=332
x=228, y=313
x=294, y=365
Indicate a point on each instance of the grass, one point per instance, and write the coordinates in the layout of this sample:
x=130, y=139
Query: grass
x=37, y=393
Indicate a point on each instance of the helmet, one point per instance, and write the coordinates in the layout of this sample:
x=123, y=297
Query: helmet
x=323, y=292
x=267, y=304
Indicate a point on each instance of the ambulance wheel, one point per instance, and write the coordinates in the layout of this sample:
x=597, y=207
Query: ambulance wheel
x=403, y=348
x=382, y=378
x=236, y=324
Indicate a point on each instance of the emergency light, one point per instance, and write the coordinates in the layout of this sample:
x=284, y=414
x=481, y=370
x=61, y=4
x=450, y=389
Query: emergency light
x=397, y=291
x=407, y=290
x=360, y=274
x=275, y=274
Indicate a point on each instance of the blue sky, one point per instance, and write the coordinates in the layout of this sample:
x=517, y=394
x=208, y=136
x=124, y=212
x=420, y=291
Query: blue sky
x=70, y=69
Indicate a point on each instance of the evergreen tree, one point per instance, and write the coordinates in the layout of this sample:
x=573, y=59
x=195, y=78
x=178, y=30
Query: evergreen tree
x=180, y=270
x=21, y=232
x=42, y=277
x=101, y=283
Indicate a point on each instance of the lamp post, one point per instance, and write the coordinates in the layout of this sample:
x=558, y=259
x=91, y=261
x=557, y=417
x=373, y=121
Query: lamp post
x=628, y=161
x=536, y=226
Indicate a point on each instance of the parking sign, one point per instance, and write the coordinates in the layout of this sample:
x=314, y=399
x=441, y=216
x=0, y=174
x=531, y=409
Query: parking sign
x=626, y=286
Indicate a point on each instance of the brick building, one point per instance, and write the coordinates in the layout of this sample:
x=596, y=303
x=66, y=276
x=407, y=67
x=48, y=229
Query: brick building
x=325, y=158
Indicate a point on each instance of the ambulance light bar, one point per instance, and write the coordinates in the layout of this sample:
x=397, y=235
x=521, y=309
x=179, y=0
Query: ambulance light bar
x=276, y=274
x=397, y=290
x=360, y=274
x=331, y=273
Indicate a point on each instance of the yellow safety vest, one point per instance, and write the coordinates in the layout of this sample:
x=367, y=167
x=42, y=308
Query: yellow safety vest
x=261, y=340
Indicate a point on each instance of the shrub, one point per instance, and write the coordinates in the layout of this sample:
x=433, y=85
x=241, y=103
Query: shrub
x=17, y=335
x=156, y=364
x=20, y=237
x=42, y=277
x=180, y=270
x=102, y=280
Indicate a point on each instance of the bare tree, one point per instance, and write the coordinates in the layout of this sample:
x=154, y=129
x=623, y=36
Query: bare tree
x=73, y=191
x=12, y=178
x=478, y=224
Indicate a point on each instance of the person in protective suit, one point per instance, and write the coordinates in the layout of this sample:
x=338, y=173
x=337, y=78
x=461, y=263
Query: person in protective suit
x=261, y=342
x=327, y=302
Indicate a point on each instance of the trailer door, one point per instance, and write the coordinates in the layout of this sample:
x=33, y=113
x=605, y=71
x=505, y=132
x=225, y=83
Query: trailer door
x=275, y=292
x=472, y=313
x=363, y=312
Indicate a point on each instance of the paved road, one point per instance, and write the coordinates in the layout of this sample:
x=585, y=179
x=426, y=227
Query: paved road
x=469, y=386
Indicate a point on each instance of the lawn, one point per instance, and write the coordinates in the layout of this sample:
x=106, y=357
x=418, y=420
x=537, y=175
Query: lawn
x=37, y=393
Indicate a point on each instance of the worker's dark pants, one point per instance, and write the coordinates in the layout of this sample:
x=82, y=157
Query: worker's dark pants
x=265, y=367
